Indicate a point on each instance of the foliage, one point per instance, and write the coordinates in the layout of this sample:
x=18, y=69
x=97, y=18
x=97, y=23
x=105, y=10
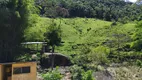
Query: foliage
x=29, y=57
x=90, y=37
x=137, y=45
x=139, y=63
x=53, y=35
x=34, y=34
x=87, y=56
x=14, y=19
x=78, y=73
x=25, y=57
x=105, y=9
x=137, y=37
x=87, y=75
x=52, y=75
x=82, y=57
x=101, y=55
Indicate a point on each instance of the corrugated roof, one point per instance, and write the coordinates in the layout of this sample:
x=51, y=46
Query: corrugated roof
x=34, y=43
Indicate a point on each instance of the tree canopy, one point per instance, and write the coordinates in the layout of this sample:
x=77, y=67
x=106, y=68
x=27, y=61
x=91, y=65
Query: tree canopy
x=14, y=19
x=109, y=10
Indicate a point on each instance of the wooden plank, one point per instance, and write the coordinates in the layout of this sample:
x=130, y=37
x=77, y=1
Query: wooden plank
x=1, y=72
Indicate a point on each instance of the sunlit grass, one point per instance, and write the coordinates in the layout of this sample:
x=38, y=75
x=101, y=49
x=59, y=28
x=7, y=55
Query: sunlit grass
x=78, y=31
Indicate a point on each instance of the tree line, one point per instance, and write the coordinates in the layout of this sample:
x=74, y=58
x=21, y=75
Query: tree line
x=109, y=10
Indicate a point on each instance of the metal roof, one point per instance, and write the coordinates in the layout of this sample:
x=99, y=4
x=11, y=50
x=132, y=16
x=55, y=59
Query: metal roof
x=34, y=43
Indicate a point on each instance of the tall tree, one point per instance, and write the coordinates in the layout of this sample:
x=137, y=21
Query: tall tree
x=53, y=38
x=14, y=18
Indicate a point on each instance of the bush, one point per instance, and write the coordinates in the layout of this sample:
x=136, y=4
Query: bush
x=87, y=75
x=52, y=75
x=100, y=55
x=137, y=45
x=82, y=58
x=139, y=63
x=89, y=58
x=78, y=73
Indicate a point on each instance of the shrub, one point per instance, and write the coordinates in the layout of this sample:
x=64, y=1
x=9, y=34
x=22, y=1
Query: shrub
x=139, y=63
x=87, y=75
x=52, y=75
x=88, y=57
x=99, y=55
x=137, y=45
x=82, y=58
x=78, y=73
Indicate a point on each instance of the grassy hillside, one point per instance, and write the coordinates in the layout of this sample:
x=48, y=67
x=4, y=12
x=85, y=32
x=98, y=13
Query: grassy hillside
x=73, y=28
x=91, y=42
x=87, y=33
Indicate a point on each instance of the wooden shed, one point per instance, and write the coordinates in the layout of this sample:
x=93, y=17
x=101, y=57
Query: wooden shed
x=18, y=71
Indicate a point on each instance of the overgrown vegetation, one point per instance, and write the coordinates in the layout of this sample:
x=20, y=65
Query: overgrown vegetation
x=52, y=75
x=109, y=32
x=93, y=37
x=78, y=73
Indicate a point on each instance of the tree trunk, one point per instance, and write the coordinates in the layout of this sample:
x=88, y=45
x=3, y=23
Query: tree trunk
x=52, y=58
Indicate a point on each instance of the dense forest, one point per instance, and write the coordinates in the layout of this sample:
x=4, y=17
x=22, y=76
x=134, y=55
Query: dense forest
x=97, y=36
x=110, y=10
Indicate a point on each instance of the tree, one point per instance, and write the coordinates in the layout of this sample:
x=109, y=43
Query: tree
x=14, y=19
x=53, y=38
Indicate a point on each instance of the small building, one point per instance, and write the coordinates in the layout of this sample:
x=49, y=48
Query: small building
x=18, y=71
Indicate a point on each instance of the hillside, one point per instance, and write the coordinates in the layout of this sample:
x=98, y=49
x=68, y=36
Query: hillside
x=91, y=42
x=77, y=32
x=73, y=39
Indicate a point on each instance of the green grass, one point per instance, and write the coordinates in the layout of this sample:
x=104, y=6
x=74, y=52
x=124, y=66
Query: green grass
x=76, y=31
